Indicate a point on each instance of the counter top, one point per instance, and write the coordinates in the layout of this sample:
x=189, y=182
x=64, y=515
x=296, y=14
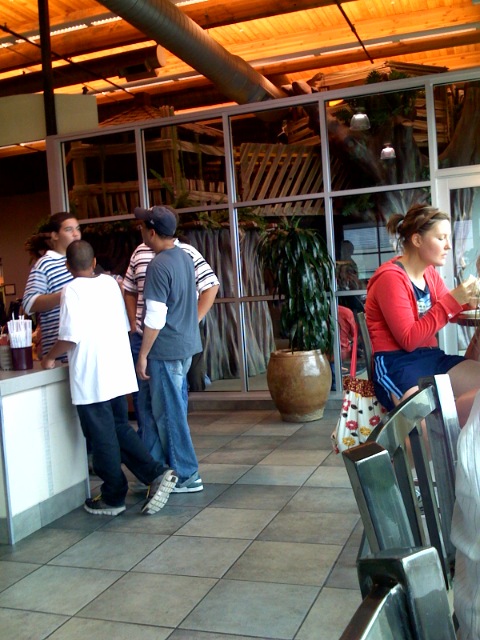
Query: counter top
x=15, y=381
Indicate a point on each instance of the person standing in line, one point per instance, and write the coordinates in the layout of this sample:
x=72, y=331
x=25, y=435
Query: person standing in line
x=207, y=286
x=170, y=338
x=49, y=275
x=93, y=328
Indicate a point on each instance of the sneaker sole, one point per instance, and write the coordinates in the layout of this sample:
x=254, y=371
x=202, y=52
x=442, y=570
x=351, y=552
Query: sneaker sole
x=161, y=495
x=111, y=511
x=188, y=489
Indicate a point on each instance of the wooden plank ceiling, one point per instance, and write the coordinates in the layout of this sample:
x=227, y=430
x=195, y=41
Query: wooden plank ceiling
x=284, y=40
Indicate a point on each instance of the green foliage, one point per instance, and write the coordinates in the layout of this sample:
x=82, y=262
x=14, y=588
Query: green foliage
x=302, y=271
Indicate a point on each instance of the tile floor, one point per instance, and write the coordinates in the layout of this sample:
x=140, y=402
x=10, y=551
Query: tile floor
x=267, y=550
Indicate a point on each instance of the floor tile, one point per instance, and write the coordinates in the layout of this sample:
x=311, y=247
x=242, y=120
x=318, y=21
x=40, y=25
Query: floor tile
x=252, y=496
x=189, y=634
x=61, y=590
x=252, y=609
x=323, y=528
x=165, y=522
x=109, y=550
x=285, y=562
x=200, y=499
x=249, y=417
x=228, y=523
x=277, y=475
x=149, y=599
x=254, y=443
x=211, y=442
x=273, y=429
x=193, y=556
x=43, y=545
x=267, y=550
x=294, y=457
x=12, y=572
x=329, y=477
x=333, y=500
x=236, y=457
x=330, y=614
x=220, y=429
x=222, y=473
x=28, y=625
x=79, y=519
x=81, y=628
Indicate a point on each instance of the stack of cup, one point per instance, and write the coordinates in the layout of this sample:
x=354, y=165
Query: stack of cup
x=6, y=357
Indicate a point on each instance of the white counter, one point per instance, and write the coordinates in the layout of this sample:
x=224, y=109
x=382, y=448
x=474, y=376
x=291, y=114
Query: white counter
x=43, y=461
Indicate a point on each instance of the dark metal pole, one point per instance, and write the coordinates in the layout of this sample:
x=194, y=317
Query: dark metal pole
x=48, y=93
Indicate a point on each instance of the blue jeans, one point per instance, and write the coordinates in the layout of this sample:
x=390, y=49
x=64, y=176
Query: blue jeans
x=135, y=344
x=162, y=406
x=113, y=442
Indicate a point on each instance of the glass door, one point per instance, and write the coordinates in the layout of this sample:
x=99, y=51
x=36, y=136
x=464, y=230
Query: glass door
x=460, y=196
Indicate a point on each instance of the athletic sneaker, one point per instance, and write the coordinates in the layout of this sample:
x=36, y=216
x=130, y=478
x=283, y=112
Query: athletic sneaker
x=191, y=485
x=99, y=507
x=159, y=492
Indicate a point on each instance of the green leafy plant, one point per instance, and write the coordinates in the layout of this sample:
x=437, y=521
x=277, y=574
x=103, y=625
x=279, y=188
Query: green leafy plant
x=301, y=269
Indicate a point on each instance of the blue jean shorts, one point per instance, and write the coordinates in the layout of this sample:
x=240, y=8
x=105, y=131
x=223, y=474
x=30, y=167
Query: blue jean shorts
x=398, y=371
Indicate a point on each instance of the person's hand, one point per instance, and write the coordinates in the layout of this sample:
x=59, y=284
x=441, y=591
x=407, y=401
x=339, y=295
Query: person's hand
x=47, y=363
x=141, y=368
x=467, y=292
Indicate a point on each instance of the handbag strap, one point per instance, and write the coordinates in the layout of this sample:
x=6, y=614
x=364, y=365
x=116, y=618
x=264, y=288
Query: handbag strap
x=353, y=360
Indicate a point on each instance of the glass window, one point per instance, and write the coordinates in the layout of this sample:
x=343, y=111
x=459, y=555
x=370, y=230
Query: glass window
x=102, y=175
x=378, y=139
x=456, y=123
x=186, y=164
x=277, y=153
x=362, y=243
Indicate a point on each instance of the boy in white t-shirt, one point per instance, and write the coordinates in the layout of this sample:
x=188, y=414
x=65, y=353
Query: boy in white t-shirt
x=94, y=329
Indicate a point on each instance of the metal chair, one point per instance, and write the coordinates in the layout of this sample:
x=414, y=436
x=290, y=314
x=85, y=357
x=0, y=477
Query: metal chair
x=404, y=598
x=382, y=477
x=367, y=345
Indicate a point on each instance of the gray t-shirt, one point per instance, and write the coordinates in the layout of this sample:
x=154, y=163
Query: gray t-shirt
x=171, y=279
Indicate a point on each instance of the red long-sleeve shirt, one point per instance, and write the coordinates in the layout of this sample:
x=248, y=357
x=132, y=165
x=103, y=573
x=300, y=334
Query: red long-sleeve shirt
x=391, y=309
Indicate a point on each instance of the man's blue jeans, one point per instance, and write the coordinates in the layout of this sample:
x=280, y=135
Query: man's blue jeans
x=162, y=407
x=113, y=442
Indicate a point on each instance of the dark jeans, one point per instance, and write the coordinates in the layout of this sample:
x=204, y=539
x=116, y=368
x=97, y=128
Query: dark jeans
x=113, y=442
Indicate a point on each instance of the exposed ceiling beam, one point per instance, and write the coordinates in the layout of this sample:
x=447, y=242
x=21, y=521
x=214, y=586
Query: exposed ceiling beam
x=108, y=67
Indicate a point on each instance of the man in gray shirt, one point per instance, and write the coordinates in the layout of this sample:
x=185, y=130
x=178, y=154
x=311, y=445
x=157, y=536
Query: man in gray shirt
x=170, y=338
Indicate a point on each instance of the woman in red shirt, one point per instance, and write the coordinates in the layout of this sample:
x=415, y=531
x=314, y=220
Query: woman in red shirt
x=408, y=303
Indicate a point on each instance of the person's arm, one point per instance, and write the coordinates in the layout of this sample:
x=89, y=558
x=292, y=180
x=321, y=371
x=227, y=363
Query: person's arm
x=58, y=349
x=155, y=319
x=206, y=300
x=131, y=305
x=45, y=302
x=394, y=296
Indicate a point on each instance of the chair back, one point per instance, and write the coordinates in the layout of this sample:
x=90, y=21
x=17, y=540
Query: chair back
x=367, y=345
x=383, y=480
x=404, y=598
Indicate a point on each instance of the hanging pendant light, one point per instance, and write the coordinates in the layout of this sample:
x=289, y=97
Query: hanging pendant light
x=388, y=152
x=359, y=121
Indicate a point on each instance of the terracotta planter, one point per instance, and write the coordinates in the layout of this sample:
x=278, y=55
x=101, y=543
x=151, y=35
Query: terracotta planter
x=299, y=383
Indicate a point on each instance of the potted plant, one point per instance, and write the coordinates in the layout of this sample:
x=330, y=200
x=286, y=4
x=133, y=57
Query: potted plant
x=299, y=378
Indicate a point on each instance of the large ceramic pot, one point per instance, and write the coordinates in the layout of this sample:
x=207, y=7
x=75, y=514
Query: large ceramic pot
x=299, y=383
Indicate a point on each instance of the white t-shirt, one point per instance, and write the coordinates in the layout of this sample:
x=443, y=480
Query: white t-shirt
x=93, y=316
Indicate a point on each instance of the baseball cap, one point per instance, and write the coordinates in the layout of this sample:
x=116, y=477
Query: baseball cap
x=163, y=220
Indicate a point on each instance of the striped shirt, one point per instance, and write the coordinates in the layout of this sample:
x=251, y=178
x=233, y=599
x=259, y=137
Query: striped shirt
x=48, y=275
x=134, y=280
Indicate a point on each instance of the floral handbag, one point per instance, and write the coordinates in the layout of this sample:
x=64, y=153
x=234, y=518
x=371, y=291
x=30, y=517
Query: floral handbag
x=361, y=411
